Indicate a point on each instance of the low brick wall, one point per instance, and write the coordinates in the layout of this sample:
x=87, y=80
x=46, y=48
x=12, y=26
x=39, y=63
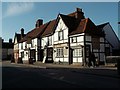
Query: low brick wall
x=112, y=60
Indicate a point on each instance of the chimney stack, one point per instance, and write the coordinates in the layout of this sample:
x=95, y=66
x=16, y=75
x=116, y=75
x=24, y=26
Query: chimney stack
x=79, y=14
x=10, y=40
x=22, y=33
x=2, y=40
x=38, y=23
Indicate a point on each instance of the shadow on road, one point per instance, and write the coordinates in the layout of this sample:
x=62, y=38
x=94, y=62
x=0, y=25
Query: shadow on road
x=30, y=77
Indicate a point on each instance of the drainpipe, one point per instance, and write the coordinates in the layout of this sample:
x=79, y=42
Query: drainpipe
x=69, y=50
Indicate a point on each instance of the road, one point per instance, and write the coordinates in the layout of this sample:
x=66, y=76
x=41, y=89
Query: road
x=20, y=76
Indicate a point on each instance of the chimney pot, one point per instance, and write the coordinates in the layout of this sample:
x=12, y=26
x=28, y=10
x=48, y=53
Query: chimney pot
x=38, y=23
x=79, y=14
x=22, y=32
x=10, y=40
x=78, y=10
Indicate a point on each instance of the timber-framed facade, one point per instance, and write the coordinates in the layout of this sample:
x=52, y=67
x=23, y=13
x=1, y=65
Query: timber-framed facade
x=67, y=39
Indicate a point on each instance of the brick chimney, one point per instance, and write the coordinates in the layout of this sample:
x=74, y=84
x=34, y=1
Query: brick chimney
x=22, y=33
x=79, y=14
x=38, y=23
x=10, y=40
x=2, y=40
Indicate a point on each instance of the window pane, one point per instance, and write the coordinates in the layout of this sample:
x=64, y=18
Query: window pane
x=77, y=52
x=60, y=35
x=74, y=39
x=60, y=52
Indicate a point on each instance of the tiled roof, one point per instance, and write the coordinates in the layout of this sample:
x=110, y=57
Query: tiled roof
x=18, y=36
x=75, y=25
x=81, y=27
x=86, y=26
x=72, y=14
x=36, y=32
x=50, y=28
x=70, y=22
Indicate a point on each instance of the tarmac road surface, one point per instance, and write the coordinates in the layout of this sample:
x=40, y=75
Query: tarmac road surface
x=21, y=76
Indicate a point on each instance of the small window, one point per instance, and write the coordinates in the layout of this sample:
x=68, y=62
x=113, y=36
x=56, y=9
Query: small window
x=50, y=40
x=60, y=35
x=22, y=54
x=107, y=51
x=74, y=39
x=87, y=50
x=59, y=52
x=77, y=52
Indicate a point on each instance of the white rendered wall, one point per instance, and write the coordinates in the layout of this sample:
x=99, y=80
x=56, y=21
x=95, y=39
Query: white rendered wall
x=75, y=45
x=61, y=43
x=61, y=26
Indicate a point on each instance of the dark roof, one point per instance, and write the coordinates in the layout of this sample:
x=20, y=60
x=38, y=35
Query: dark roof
x=81, y=27
x=36, y=32
x=75, y=25
x=50, y=28
x=70, y=22
x=7, y=45
x=18, y=36
x=102, y=25
x=72, y=14
x=86, y=26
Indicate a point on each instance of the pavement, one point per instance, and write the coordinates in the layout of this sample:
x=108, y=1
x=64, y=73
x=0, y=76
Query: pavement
x=39, y=64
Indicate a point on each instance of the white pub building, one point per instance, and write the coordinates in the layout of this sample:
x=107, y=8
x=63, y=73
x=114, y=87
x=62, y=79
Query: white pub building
x=68, y=39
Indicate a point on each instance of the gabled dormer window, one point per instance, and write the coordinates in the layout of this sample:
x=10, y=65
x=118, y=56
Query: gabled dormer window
x=60, y=35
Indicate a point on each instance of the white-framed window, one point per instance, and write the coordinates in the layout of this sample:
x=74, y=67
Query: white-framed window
x=59, y=52
x=77, y=52
x=22, y=54
x=107, y=51
x=60, y=35
x=74, y=39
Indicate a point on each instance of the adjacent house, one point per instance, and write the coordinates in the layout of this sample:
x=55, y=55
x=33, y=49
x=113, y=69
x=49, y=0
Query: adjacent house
x=68, y=39
x=30, y=45
x=7, y=49
x=47, y=42
x=111, y=37
x=17, y=39
x=75, y=37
